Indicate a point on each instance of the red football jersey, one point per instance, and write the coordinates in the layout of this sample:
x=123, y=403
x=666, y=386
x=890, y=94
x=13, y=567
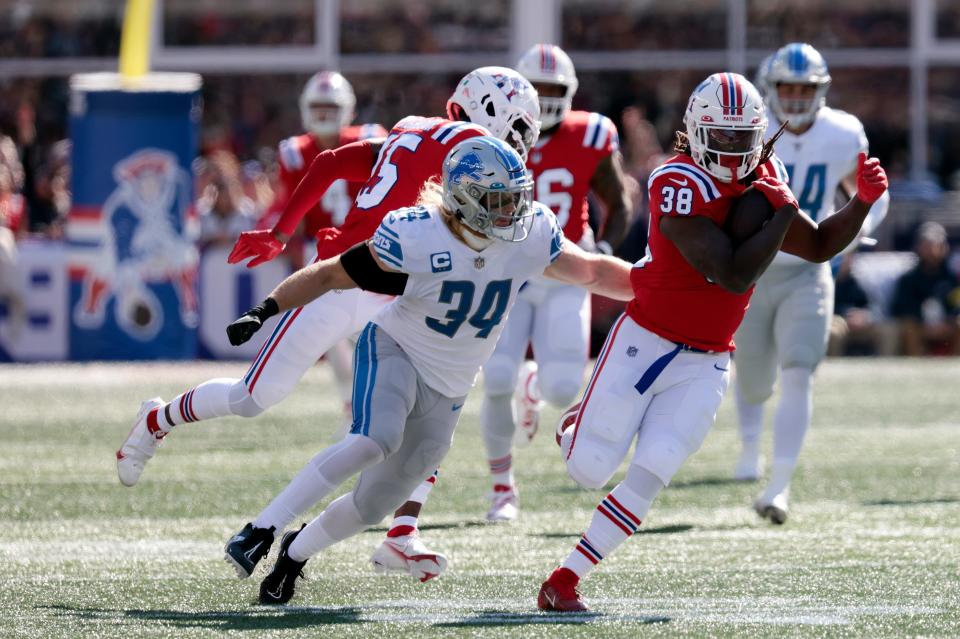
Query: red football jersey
x=563, y=165
x=294, y=157
x=412, y=154
x=671, y=297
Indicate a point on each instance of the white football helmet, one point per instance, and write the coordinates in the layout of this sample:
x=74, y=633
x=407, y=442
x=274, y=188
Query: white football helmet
x=725, y=122
x=549, y=64
x=502, y=101
x=488, y=188
x=797, y=63
x=760, y=79
x=326, y=104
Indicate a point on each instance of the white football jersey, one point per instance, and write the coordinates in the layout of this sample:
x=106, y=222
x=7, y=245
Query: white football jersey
x=817, y=160
x=456, y=299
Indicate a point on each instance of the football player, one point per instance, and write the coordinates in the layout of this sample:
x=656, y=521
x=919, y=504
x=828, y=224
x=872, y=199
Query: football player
x=577, y=152
x=502, y=102
x=326, y=111
x=456, y=264
x=788, y=322
x=664, y=368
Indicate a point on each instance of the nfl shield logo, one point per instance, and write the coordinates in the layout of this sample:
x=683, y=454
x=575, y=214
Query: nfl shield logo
x=632, y=351
x=479, y=263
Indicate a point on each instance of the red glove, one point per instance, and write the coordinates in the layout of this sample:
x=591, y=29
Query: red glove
x=260, y=245
x=871, y=179
x=777, y=193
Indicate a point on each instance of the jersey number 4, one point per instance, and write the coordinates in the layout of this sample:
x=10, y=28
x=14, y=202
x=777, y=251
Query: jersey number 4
x=460, y=294
x=386, y=171
x=811, y=195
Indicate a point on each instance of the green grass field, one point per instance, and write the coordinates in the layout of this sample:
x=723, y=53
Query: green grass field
x=872, y=547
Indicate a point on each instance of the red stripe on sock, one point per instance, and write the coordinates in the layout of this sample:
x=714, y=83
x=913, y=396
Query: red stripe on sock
x=585, y=554
x=626, y=512
x=193, y=415
x=152, y=424
x=614, y=519
x=401, y=531
x=183, y=413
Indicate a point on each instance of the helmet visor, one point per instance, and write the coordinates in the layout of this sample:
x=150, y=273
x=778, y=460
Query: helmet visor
x=732, y=141
x=509, y=212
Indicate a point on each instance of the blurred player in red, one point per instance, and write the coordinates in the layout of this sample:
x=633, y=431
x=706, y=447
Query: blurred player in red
x=326, y=111
x=489, y=100
x=665, y=366
x=577, y=152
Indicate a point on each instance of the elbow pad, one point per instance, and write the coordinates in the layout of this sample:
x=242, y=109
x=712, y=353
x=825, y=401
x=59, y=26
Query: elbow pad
x=364, y=270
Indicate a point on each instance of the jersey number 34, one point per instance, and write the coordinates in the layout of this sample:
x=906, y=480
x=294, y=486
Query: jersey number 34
x=460, y=294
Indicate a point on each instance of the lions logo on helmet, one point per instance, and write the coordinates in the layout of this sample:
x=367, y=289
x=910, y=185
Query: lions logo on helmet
x=725, y=122
x=796, y=63
x=327, y=103
x=549, y=64
x=502, y=101
x=487, y=187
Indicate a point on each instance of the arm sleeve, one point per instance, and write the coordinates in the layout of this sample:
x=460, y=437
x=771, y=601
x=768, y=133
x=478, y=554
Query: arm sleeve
x=352, y=162
x=364, y=270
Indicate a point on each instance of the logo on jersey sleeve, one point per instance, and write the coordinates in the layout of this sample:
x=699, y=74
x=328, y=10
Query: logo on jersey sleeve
x=386, y=243
x=556, y=238
x=441, y=262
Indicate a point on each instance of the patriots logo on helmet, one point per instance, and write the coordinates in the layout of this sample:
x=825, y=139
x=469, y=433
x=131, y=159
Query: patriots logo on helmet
x=469, y=166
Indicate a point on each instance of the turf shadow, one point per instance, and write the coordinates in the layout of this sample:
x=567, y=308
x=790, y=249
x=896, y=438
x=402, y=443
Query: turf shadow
x=451, y=526
x=261, y=618
x=652, y=530
x=706, y=481
x=912, y=502
x=487, y=618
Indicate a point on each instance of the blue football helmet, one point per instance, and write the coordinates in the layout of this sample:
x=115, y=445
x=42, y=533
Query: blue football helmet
x=796, y=63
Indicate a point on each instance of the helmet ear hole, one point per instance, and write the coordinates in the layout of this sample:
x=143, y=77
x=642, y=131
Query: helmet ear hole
x=491, y=111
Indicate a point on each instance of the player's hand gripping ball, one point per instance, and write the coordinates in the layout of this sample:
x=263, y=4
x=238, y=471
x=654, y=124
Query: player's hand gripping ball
x=747, y=216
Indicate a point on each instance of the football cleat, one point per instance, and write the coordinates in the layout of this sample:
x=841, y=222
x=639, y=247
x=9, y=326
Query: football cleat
x=504, y=505
x=408, y=554
x=559, y=592
x=748, y=464
x=566, y=421
x=527, y=404
x=245, y=549
x=277, y=588
x=139, y=446
x=773, y=508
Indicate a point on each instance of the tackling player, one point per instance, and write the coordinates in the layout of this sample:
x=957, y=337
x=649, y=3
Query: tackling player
x=456, y=264
x=788, y=322
x=577, y=151
x=326, y=111
x=665, y=366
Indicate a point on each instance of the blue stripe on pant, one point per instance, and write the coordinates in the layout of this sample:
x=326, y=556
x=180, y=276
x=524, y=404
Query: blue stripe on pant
x=364, y=376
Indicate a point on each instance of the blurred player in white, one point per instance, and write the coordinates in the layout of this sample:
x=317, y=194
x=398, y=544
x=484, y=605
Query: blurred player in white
x=456, y=264
x=326, y=110
x=577, y=151
x=788, y=322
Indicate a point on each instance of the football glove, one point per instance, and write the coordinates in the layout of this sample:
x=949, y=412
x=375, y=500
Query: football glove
x=262, y=246
x=871, y=179
x=243, y=328
x=777, y=193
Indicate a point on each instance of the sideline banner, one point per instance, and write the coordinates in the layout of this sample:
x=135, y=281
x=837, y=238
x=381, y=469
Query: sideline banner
x=42, y=276
x=130, y=233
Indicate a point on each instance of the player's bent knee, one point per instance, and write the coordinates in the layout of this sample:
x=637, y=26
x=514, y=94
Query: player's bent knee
x=664, y=457
x=802, y=356
x=591, y=463
x=499, y=375
x=242, y=403
x=560, y=385
x=754, y=392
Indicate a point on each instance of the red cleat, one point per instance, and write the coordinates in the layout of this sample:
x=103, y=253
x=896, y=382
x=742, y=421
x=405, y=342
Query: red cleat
x=559, y=592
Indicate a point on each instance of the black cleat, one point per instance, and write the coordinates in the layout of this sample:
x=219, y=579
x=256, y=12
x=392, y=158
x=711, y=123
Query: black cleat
x=277, y=587
x=247, y=548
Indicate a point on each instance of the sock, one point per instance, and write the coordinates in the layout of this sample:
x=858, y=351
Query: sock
x=616, y=518
x=338, y=521
x=497, y=423
x=209, y=399
x=322, y=474
x=501, y=471
x=750, y=418
x=790, y=424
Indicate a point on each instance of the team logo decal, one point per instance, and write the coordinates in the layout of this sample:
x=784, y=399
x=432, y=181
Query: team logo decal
x=479, y=263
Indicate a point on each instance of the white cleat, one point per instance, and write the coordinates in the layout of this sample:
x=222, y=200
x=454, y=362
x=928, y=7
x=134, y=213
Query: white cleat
x=504, y=506
x=774, y=508
x=410, y=555
x=139, y=446
x=749, y=466
x=527, y=404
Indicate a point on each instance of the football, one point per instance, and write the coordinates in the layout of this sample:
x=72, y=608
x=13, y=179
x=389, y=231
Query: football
x=747, y=216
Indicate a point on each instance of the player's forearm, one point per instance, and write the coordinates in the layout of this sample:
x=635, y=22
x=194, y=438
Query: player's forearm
x=837, y=231
x=752, y=258
x=309, y=283
x=352, y=162
x=610, y=277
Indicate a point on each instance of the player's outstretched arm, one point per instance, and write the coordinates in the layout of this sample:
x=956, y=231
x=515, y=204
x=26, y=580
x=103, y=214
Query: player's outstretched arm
x=352, y=162
x=819, y=243
x=601, y=274
x=708, y=249
x=609, y=185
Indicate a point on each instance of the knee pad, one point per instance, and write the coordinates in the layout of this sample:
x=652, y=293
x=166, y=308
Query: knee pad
x=560, y=382
x=373, y=505
x=387, y=436
x=499, y=375
x=753, y=389
x=425, y=459
x=663, y=456
x=242, y=403
x=592, y=462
